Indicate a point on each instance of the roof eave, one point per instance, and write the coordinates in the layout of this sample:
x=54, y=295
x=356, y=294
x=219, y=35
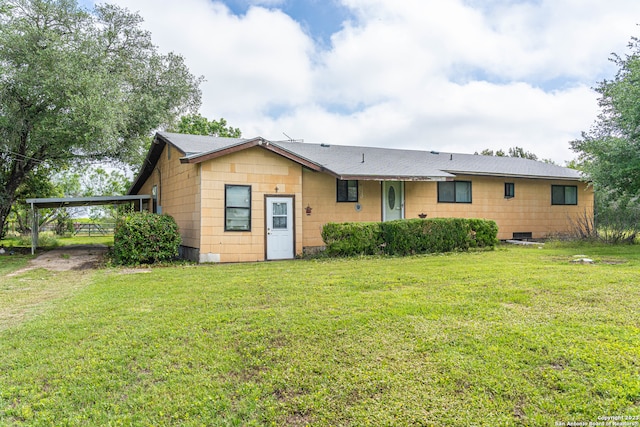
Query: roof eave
x=255, y=142
x=511, y=175
x=294, y=157
x=413, y=178
x=214, y=154
x=150, y=162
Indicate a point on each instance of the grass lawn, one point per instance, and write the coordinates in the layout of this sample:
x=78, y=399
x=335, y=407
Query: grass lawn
x=518, y=336
x=63, y=241
x=86, y=240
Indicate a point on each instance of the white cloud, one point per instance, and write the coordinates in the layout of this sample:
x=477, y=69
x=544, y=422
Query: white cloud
x=249, y=62
x=457, y=118
x=456, y=75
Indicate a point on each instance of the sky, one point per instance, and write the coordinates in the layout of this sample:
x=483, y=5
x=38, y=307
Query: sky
x=447, y=75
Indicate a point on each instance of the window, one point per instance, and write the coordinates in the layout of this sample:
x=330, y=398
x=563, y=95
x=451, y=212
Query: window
x=454, y=192
x=509, y=190
x=347, y=191
x=279, y=216
x=564, y=195
x=237, y=213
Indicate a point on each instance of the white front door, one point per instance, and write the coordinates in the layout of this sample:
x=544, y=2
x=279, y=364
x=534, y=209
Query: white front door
x=392, y=200
x=279, y=227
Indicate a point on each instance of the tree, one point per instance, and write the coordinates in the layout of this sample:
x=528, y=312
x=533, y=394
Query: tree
x=522, y=153
x=91, y=181
x=609, y=153
x=78, y=86
x=39, y=184
x=513, y=152
x=195, y=124
x=488, y=152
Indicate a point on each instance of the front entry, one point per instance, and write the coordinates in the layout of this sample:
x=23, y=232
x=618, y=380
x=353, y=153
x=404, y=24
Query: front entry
x=392, y=200
x=279, y=228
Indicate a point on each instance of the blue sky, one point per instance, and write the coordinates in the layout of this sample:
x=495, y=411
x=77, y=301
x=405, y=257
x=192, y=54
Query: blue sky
x=446, y=75
x=319, y=18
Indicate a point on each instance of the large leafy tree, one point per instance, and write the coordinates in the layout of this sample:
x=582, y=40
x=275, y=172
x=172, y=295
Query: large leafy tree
x=39, y=184
x=90, y=181
x=80, y=86
x=609, y=152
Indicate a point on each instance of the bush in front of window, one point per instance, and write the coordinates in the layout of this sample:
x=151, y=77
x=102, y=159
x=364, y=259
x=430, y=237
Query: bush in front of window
x=409, y=236
x=144, y=238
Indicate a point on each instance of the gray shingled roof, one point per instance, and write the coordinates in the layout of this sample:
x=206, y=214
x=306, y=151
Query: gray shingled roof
x=353, y=162
x=195, y=145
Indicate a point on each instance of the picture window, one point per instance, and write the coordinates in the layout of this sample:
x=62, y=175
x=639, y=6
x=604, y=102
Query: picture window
x=454, y=192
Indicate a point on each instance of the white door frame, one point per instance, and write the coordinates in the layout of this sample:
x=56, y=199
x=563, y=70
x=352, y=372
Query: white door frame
x=280, y=241
x=399, y=200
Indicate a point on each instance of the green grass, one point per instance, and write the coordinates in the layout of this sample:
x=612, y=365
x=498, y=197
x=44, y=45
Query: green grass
x=25, y=242
x=10, y=263
x=86, y=240
x=513, y=337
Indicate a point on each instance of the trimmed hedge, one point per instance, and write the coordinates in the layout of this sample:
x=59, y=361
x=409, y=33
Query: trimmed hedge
x=352, y=238
x=410, y=236
x=142, y=237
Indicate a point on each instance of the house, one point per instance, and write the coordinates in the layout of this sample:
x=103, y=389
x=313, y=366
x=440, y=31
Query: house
x=253, y=199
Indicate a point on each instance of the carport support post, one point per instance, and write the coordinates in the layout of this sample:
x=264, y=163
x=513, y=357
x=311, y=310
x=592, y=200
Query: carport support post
x=34, y=229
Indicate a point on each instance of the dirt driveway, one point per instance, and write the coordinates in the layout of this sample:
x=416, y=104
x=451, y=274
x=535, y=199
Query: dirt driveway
x=77, y=257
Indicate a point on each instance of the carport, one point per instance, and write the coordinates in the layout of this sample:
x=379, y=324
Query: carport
x=138, y=202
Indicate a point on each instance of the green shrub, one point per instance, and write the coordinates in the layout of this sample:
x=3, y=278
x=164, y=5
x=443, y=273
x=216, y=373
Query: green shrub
x=484, y=233
x=411, y=236
x=352, y=238
x=143, y=237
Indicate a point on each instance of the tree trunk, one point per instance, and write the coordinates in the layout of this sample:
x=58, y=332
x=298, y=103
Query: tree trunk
x=15, y=175
x=5, y=209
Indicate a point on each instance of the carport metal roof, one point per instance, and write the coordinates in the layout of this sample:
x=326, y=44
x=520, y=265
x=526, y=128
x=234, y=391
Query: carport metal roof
x=74, y=202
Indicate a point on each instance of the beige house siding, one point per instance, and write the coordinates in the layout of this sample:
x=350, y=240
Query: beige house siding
x=320, y=194
x=267, y=174
x=529, y=211
x=178, y=193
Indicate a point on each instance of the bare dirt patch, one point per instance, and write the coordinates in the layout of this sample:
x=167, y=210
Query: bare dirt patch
x=24, y=296
x=78, y=257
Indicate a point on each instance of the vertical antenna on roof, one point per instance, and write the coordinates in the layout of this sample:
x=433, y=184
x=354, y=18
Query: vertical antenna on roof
x=362, y=158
